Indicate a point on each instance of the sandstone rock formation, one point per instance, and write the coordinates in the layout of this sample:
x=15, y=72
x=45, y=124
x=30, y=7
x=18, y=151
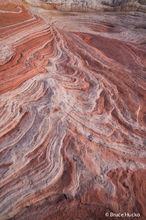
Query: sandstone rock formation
x=92, y=5
x=72, y=114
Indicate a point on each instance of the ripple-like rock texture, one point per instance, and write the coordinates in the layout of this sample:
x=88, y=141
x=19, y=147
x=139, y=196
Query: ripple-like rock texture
x=72, y=114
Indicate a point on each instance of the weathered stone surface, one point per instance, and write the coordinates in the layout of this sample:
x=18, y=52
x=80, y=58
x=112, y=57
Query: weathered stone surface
x=72, y=114
x=85, y=5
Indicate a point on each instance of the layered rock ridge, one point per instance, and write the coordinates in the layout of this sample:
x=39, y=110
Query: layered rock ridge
x=72, y=115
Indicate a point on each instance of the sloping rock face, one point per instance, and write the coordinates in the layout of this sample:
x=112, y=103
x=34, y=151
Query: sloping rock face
x=85, y=5
x=72, y=115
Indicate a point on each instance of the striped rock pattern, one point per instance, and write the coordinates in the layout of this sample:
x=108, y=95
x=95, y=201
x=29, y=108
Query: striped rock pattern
x=72, y=115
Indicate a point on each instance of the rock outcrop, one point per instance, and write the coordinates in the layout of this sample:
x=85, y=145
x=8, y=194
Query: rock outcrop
x=72, y=115
x=92, y=5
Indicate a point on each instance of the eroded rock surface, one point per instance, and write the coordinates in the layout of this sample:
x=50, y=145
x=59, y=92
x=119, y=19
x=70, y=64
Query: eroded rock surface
x=93, y=5
x=72, y=114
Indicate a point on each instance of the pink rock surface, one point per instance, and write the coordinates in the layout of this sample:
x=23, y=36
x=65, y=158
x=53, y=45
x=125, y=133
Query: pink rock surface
x=72, y=114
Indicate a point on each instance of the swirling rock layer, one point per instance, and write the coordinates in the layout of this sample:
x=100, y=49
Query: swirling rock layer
x=72, y=114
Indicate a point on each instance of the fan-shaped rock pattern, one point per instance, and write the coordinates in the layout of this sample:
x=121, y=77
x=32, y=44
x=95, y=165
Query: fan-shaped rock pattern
x=72, y=115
